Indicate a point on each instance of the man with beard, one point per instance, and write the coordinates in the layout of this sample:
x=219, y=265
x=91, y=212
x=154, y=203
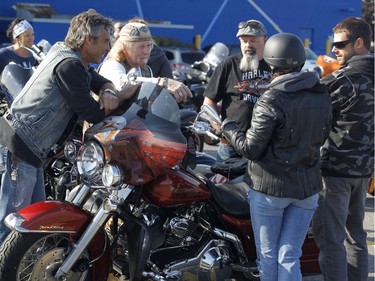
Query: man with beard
x=239, y=81
x=347, y=156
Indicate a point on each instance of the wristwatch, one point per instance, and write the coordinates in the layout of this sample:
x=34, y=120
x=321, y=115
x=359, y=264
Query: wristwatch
x=110, y=91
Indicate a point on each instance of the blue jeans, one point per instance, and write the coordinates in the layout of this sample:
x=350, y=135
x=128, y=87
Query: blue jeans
x=3, y=158
x=225, y=152
x=21, y=185
x=338, y=229
x=280, y=226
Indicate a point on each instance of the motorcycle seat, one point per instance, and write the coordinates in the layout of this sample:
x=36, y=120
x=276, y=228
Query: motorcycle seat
x=232, y=197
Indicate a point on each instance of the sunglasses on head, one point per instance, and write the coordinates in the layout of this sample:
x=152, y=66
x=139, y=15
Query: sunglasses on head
x=341, y=44
x=251, y=23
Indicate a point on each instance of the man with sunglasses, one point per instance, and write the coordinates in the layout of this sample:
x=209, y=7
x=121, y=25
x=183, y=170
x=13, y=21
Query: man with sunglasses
x=239, y=81
x=347, y=156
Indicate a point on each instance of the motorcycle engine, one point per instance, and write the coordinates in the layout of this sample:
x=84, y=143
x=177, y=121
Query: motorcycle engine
x=181, y=244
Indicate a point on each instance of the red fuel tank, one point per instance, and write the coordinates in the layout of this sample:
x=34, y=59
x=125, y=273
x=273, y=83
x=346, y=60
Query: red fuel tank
x=175, y=188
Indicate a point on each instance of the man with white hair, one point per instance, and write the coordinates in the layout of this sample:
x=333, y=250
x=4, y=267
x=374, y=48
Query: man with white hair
x=130, y=54
x=239, y=81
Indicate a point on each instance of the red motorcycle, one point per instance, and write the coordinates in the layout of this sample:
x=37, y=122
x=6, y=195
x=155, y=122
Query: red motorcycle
x=141, y=212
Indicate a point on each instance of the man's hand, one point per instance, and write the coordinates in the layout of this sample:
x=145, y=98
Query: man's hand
x=179, y=90
x=108, y=102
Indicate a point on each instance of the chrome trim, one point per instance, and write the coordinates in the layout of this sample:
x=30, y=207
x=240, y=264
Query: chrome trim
x=81, y=195
x=14, y=222
x=90, y=232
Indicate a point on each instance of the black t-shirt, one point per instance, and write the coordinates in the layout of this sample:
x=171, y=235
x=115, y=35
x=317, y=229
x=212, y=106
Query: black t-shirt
x=237, y=105
x=75, y=82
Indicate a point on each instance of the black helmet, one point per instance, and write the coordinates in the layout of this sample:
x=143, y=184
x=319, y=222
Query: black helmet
x=284, y=50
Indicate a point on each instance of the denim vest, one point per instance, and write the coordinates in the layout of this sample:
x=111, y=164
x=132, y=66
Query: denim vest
x=40, y=113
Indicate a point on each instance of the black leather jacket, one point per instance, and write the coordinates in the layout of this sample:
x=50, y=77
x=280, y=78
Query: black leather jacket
x=290, y=122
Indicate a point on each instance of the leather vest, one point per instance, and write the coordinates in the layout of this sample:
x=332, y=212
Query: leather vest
x=40, y=114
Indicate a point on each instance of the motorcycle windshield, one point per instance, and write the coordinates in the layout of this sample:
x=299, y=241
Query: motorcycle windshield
x=146, y=139
x=217, y=54
x=14, y=78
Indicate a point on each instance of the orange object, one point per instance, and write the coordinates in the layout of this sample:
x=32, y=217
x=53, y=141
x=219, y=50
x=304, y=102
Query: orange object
x=327, y=64
x=371, y=186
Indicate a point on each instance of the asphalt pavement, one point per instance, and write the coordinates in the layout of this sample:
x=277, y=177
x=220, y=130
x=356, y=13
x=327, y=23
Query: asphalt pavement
x=369, y=227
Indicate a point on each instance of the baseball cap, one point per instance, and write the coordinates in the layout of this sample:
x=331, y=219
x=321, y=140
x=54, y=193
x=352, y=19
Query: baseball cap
x=135, y=31
x=252, y=28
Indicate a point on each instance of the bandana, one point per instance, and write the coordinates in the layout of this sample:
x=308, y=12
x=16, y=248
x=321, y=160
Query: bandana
x=20, y=28
x=135, y=31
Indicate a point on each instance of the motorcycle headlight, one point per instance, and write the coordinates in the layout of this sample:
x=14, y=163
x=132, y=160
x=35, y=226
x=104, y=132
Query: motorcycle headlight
x=71, y=150
x=111, y=175
x=90, y=161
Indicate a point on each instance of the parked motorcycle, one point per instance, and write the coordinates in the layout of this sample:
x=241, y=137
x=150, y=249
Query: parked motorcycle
x=201, y=73
x=198, y=79
x=140, y=213
x=327, y=64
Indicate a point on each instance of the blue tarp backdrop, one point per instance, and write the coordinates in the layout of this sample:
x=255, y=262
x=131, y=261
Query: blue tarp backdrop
x=212, y=20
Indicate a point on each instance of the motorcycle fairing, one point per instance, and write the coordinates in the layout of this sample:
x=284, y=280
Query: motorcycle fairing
x=141, y=144
x=57, y=217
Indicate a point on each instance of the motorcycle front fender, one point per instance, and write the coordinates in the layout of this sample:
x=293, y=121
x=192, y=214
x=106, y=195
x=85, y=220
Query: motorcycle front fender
x=63, y=217
x=49, y=216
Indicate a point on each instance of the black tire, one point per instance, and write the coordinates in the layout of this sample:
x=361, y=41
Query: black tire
x=37, y=257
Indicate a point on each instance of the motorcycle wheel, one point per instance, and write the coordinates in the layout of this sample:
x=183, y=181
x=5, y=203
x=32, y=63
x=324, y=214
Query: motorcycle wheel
x=38, y=256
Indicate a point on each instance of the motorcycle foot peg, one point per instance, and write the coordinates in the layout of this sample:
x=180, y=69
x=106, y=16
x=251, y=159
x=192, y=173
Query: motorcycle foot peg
x=246, y=267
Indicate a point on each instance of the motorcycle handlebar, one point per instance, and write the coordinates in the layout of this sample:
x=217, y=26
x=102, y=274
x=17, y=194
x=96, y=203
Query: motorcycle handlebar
x=204, y=128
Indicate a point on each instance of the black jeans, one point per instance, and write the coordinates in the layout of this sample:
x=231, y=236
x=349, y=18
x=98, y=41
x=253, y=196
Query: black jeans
x=338, y=229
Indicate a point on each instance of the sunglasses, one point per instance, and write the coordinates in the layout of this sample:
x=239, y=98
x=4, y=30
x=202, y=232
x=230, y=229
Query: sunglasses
x=251, y=23
x=342, y=44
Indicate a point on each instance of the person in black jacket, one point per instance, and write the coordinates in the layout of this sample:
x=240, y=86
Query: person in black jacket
x=290, y=122
x=347, y=156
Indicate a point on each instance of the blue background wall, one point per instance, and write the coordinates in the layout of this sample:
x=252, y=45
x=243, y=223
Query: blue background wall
x=214, y=20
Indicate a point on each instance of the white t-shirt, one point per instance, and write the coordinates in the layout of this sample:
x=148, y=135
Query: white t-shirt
x=114, y=71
